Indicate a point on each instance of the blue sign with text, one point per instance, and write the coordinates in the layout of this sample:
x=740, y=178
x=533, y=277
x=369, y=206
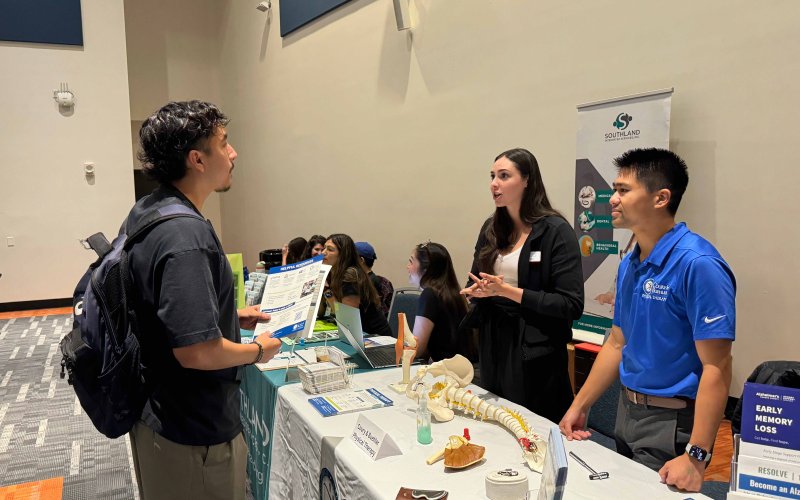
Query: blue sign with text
x=771, y=415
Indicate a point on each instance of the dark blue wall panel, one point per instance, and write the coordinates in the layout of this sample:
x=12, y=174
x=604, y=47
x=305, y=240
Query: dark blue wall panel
x=296, y=13
x=43, y=21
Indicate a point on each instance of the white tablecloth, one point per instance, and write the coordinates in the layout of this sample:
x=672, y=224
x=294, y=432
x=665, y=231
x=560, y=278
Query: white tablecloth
x=299, y=431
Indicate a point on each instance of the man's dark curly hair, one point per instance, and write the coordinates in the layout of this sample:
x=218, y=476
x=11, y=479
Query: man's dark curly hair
x=171, y=132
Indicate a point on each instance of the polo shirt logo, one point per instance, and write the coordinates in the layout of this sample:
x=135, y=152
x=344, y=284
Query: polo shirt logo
x=654, y=291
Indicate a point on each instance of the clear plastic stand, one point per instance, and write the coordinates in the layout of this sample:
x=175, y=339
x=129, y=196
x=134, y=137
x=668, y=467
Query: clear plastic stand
x=291, y=374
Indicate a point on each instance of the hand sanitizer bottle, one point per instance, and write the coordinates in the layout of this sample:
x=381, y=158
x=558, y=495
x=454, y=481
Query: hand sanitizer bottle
x=423, y=421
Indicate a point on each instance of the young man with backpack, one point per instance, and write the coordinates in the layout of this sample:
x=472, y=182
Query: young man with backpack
x=188, y=443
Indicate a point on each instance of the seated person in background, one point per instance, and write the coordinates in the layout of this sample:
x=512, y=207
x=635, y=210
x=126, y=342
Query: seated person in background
x=441, y=307
x=350, y=285
x=314, y=247
x=384, y=287
x=293, y=251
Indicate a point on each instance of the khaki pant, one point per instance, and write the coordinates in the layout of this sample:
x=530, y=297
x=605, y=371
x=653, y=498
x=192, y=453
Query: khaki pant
x=172, y=471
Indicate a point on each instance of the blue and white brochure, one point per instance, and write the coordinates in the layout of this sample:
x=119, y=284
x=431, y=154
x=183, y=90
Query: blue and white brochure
x=350, y=401
x=771, y=416
x=288, y=295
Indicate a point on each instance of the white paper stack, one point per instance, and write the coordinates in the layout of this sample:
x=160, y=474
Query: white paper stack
x=323, y=377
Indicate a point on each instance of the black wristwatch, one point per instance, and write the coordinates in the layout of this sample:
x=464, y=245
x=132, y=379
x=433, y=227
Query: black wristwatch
x=698, y=453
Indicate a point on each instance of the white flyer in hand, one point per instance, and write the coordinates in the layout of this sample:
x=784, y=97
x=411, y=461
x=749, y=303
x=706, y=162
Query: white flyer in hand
x=288, y=295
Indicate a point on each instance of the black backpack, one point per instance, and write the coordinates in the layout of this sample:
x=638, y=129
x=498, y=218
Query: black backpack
x=101, y=355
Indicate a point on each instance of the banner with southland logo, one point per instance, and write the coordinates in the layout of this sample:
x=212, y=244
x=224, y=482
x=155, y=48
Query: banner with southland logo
x=606, y=129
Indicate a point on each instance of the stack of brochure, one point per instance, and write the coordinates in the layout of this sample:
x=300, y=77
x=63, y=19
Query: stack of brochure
x=323, y=377
x=768, y=457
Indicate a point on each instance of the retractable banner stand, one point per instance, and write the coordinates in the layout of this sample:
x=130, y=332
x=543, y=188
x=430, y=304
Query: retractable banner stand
x=606, y=129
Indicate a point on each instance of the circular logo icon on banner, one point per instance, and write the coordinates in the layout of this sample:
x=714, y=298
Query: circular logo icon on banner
x=587, y=245
x=622, y=121
x=649, y=286
x=586, y=196
x=586, y=220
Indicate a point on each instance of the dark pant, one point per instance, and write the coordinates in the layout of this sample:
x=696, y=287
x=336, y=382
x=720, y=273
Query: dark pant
x=649, y=435
x=542, y=386
x=548, y=391
x=535, y=376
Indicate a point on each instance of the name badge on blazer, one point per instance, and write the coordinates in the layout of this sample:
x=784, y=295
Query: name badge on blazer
x=535, y=256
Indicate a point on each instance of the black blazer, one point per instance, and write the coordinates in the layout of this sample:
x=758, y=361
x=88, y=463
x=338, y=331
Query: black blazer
x=552, y=288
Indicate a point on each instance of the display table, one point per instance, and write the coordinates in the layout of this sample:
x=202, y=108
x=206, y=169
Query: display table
x=309, y=450
x=259, y=392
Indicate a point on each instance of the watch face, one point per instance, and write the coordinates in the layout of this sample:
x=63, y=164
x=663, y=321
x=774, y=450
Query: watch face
x=697, y=453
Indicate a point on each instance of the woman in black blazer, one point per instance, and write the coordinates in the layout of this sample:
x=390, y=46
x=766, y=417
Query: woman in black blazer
x=526, y=285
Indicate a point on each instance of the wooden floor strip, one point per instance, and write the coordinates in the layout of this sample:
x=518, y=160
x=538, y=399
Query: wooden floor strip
x=49, y=489
x=35, y=312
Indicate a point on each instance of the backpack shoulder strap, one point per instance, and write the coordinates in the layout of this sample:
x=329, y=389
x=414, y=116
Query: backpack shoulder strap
x=157, y=216
x=141, y=228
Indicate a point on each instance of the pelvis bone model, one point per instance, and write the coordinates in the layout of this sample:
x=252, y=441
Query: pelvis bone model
x=453, y=394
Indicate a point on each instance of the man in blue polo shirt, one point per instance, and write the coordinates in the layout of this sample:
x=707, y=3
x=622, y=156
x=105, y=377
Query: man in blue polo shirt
x=674, y=322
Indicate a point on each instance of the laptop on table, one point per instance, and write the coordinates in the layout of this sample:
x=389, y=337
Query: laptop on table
x=349, y=321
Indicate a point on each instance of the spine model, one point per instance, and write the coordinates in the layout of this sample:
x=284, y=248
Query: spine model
x=452, y=394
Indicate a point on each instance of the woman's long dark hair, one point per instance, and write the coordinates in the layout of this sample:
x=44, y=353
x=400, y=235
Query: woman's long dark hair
x=296, y=248
x=534, y=207
x=437, y=273
x=315, y=240
x=349, y=265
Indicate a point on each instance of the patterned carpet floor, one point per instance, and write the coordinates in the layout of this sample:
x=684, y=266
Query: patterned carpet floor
x=44, y=433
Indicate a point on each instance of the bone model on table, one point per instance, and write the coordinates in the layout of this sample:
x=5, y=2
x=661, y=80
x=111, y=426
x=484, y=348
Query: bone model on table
x=452, y=393
x=459, y=453
x=405, y=350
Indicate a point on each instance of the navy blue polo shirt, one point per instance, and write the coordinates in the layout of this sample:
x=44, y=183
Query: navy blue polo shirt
x=683, y=292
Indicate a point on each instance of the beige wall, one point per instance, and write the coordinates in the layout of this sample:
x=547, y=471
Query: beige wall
x=45, y=201
x=173, y=55
x=350, y=125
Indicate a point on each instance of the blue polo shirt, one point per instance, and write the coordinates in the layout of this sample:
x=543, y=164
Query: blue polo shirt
x=683, y=292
